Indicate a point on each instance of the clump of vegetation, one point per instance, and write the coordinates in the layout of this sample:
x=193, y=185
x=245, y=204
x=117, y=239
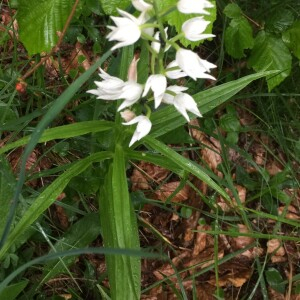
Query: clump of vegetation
x=175, y=174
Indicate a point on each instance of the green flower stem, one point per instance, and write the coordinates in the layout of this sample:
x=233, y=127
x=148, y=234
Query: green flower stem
x=163, y=37
x=148, y=111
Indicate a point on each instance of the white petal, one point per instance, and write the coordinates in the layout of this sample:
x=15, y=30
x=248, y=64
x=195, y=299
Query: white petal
x=193, y=6
x=156, y=45
x=143, y=128
x=141, y=5
x=127, y=31
x=174, y=74
x=94, y=92
x=184, y=102
x=134, y=120
x=168, y=98
x=192, y=64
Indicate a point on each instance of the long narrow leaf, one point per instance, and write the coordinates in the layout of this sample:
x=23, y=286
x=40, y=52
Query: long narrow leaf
x=185, y=164
x=63, y=132
x=168, y=118
x=119, y=229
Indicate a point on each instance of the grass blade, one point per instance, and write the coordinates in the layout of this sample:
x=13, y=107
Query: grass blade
x=48, y=196
x=54, y=110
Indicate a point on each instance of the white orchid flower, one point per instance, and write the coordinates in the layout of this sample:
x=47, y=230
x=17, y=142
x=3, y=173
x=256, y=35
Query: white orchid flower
x=184, y=102
x=127, y=30
x=193, y=29
x=176, y=72
x=143, y=128
x=108, y=89
x=194, y=6
x=131, y=93
x=114, y=88
x=158, y=84
x=171, y=92
x=193, y=65
x=141, y=5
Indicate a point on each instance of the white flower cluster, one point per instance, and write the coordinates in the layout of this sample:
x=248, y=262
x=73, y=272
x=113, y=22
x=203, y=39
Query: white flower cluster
x=130, y=29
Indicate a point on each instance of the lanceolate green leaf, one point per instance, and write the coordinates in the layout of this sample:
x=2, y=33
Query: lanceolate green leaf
x=48, y=196
x=40, y=21
x=12, y=291
x=119, y=229
x=76, y=237
x=185, y=164
x=168, y=118
x=63, y=132
x=270, y=53
x=7, y=185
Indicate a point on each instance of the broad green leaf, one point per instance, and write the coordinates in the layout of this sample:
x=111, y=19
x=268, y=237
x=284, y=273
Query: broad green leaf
x=167, y=118
x=275, y=280
x=176, y=19
x=48, y=196
x=110, y=6
x=232, y=11
x=7, y=185
x=238, y=37
x=63, y=132
x=280, y=20
x=291, y=38
x=94, y=6
x=270, y=53
x=76, y=237
x=40, y=21
x=12, y=291
x=119, y=230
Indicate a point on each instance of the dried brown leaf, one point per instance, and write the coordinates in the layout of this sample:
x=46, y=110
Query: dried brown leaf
x=241, y=242
x=201, y=239
x=292, y=213
x=242, y=193
x=166, y=190
x=145, y=173
x=237, y=278
x=275, y=246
